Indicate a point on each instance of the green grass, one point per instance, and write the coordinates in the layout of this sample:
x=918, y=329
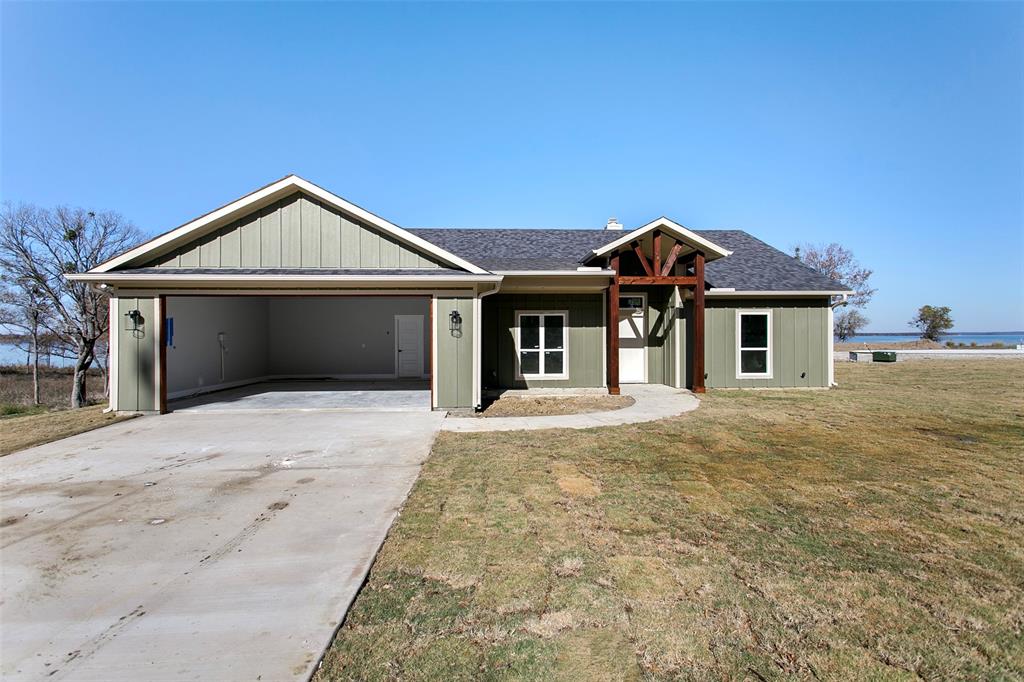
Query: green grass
x=17, y=409
x=872, y=531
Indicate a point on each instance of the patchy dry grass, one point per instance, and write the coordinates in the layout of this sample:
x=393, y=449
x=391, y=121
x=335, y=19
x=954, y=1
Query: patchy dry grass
x=54, y=388
x=24, y=431
x=874, y=531
x=516, y=406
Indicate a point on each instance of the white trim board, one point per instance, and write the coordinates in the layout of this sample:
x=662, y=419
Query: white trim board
x=673, y=228
x=336, y=293
x=725, y=293
x=433, y=352
x=114, y=333
x=264, y=196
x=173, y=277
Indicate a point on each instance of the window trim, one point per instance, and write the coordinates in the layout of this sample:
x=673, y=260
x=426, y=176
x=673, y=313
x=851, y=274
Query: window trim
x=564, y=374
x=740, y=374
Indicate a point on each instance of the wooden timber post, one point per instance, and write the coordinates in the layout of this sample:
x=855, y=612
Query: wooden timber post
x=613, y=328
x=656, y=252
x=698, y=324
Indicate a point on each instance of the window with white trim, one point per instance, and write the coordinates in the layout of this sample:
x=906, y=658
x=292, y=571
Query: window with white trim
x=541, y=341
x=753, y=344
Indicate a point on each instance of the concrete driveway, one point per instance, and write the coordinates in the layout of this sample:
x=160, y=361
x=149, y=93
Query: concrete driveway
x=202, y=546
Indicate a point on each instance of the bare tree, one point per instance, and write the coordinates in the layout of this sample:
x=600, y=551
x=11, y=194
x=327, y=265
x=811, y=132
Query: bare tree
x=839, y=263
x=22, y=311
x=40, y=246
x=848, y=323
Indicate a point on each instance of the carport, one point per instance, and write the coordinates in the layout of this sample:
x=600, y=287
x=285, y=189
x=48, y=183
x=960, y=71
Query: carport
x=292, y=296
x=252, y=352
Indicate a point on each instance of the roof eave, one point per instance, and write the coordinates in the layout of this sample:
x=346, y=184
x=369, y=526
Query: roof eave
x=711, y=250
x=172, y=279
x=724, y=292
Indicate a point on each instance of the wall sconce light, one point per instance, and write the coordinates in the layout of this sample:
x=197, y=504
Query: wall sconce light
x=134, y=322
x=455, y=323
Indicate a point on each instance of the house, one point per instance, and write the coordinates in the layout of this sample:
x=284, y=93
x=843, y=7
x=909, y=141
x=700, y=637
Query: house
x=294, y=281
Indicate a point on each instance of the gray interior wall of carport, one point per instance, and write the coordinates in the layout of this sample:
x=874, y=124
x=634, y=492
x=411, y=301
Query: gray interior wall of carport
x=347, y=335
x=285, y=336
x=194, y=354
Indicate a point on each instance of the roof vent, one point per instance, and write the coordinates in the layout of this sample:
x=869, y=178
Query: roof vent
x=613, y=224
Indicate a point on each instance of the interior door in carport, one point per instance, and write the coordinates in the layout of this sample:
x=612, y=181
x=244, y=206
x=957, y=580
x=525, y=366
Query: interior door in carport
x=409, y=345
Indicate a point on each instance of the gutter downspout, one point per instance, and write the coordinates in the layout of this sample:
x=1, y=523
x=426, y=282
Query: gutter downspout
x=832, y=338
x=478, y=345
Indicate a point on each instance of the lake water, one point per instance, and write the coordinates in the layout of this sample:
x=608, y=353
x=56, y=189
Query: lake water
x=9, y=355
x=1010, y=339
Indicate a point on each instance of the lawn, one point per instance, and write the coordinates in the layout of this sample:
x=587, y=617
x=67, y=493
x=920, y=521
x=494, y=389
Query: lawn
x=871, y=531
x=37, y=427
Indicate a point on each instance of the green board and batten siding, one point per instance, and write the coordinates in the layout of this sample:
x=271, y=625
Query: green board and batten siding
x=585, y=342
x=295, y=232
x=799, y=343
x=453, y=363
x=137, y=356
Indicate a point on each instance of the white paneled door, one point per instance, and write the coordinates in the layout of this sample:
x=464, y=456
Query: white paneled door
x=409, y=345
x=633, y=339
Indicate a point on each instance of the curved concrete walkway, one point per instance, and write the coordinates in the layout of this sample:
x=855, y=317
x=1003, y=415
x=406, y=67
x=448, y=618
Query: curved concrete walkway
x=653, y=402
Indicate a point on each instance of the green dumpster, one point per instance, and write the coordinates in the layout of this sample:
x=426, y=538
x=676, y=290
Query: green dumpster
x=883, y=356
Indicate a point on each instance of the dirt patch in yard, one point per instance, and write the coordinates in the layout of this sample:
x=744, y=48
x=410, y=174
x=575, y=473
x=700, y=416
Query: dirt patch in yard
x=541, y=406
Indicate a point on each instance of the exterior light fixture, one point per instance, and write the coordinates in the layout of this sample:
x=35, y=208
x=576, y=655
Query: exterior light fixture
x=455, y=323
x=134, y=322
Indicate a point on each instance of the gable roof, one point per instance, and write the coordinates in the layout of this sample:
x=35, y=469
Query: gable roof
x=752, y=266
x=288, y=185
x=757, y=266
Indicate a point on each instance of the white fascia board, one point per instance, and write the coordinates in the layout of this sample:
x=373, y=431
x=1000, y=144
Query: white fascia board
x=557, y=273
x=671, y=226
x=173, y=278
x=276, y=190
x=723, y=293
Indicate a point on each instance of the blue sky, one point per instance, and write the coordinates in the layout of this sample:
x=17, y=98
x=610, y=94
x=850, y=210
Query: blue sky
x=894, y=129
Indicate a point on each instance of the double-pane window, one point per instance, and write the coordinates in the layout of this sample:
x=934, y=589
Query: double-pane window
x=754, y=353
x=542, y=344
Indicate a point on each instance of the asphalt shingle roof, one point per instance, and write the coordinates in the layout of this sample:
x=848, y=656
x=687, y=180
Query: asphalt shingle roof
x=518, y=249
x=753, y=265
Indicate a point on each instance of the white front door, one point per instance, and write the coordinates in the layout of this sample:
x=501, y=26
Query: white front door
x=409, y=345
x=633, y=339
